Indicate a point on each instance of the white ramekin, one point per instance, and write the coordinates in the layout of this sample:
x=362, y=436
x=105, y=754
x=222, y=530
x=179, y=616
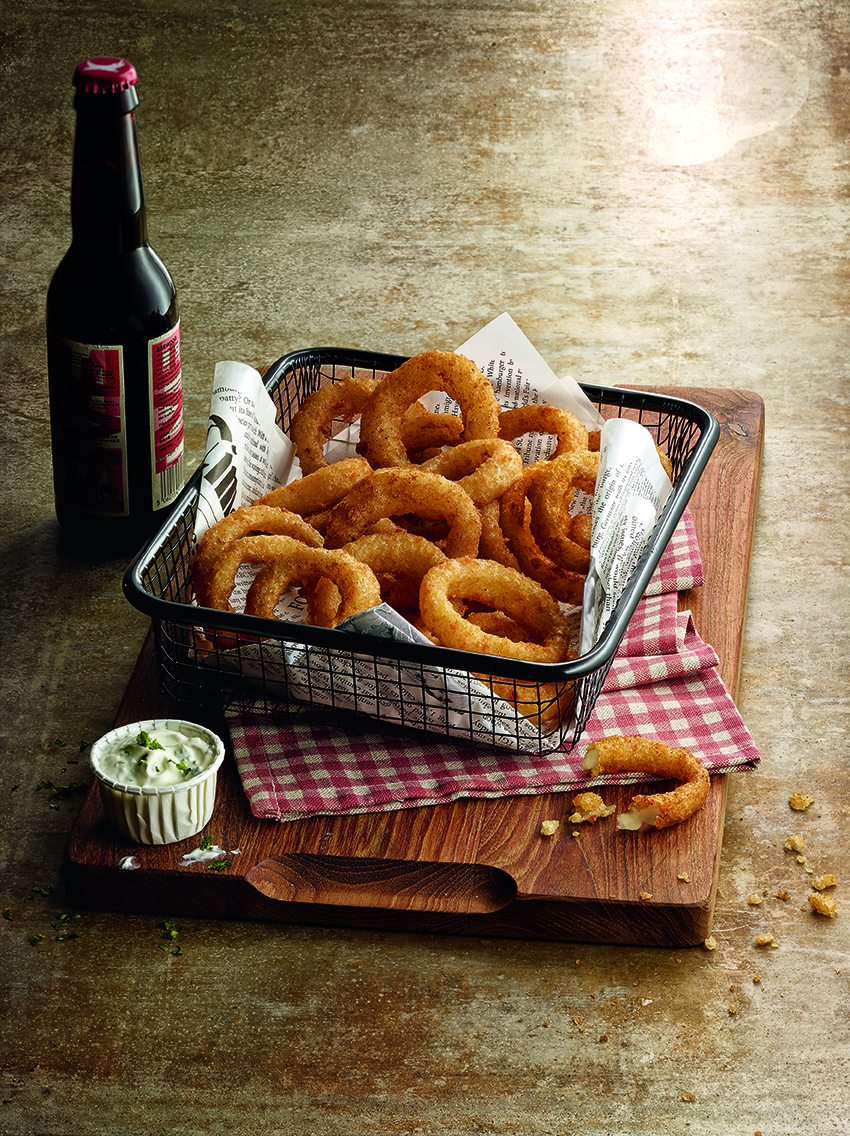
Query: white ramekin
x=158, y=814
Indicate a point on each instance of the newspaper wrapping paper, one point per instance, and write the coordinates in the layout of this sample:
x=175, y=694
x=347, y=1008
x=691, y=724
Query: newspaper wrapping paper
x=662, y=684
x=248, y=455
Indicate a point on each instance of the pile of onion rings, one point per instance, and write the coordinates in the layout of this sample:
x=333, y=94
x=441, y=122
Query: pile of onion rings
x=436, y=517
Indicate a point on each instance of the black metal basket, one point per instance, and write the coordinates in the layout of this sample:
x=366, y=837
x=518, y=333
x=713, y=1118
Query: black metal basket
x=226, y=656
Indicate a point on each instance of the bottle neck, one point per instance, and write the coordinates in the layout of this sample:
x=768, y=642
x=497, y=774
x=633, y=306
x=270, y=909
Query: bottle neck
x=107, y=198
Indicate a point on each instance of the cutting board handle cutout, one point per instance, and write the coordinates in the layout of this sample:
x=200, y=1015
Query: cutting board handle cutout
x=356, y=881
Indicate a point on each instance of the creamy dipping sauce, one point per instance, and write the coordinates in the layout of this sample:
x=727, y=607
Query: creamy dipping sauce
x=163, y=757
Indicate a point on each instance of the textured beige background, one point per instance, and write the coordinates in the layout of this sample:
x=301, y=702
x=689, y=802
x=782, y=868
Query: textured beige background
x=657, y=192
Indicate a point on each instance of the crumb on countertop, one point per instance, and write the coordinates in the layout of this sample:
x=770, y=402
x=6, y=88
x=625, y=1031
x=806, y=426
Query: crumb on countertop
x=823, y=905
x=827, y=881
x=795, y=843
x=800, y=801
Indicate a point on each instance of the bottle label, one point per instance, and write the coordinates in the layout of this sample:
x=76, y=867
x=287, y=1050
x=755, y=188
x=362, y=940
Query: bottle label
x=89, y=423
x=166, y=402
x=89, y=426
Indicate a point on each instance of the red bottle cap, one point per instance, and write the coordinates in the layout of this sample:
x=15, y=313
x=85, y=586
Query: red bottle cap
x=104, y=75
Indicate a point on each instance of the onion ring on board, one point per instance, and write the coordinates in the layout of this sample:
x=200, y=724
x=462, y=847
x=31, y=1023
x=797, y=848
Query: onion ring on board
x=381, y=421
x=643, y=755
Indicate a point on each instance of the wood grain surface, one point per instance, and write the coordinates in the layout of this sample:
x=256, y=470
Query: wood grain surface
x=470, y=867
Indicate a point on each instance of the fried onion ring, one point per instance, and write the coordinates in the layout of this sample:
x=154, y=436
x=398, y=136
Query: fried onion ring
x=312, y=423
x=356, y=586
x=422, y=430
x=540, y=418
x=493, y=545
x=550, y=490
x=514, y=512
x=381, y=421
x=484, y=468
x=495, y=586
x=257, y=549
x=397, y=492
x=580, y=529
x=643, y=755
x=319, y=490
x=239, y=523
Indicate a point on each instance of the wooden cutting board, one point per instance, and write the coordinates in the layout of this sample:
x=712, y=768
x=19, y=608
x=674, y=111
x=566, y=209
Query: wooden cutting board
x=471, y=867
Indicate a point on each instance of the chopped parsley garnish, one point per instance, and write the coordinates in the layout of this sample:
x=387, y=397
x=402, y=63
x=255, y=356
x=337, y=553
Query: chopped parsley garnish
x=145, y=739
x=219, y=865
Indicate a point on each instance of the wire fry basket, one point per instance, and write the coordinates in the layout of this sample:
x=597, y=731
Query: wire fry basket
x=273, y=667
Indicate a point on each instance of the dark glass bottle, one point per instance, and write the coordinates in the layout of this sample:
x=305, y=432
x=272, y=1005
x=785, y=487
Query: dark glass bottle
x=113, y=335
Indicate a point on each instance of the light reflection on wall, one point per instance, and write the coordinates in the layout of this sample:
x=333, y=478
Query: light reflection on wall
x=708, y=91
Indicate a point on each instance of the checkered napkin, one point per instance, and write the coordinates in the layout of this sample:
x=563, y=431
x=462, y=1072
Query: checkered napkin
x=662, y=684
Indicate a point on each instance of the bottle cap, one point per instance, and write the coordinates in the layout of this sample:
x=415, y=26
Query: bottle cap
x=104, y=75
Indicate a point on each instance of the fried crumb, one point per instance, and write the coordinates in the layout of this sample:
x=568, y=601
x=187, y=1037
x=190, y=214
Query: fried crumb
x=710, y=943
x=549, y=827
x=783, y=895
x=756, y=979
x=823, y=905
x=795, y=843
x=684, y=876
x=800, y=801
x=646, y=896
x=754, y=900
x=733, y=1010
x=763, y=940
x=822, y=882
x=590, y=807
x=801, y=859
x=688, y=1097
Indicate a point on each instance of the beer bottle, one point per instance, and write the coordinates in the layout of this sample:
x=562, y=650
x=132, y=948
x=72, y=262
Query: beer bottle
x=113, y=335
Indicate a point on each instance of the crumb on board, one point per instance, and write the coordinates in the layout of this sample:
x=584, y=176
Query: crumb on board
x=783, y=895
x=549, y=827
x=590, y=807
x=710, y=943
x=646, y=896
x=823, y=904
x=684, y=876
x=754, y=900
x=763, y=940
x=795, y=843
x=822, y=882
x=800, y=801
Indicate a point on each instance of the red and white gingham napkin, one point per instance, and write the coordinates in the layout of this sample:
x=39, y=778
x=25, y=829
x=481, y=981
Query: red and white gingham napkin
x=663, y=684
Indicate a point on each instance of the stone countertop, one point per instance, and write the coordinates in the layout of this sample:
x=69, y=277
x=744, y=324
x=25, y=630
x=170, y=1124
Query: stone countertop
x=658, y=195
